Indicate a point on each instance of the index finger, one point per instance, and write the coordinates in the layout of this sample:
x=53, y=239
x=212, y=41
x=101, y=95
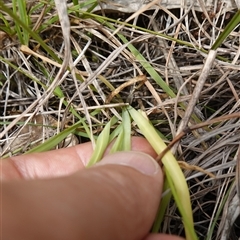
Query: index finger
x=57, y=162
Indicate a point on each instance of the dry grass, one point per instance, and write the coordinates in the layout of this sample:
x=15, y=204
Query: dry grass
x=107, y=76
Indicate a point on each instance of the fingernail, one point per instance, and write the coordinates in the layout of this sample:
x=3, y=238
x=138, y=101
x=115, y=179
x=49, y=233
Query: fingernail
x=137, y=160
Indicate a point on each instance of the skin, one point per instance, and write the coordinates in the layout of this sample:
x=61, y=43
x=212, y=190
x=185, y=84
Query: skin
x=52, y=196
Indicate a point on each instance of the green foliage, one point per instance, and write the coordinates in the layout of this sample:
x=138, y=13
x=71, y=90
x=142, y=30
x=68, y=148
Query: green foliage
x=115, y=132
x=55, y=140
x=20, y=11
x=227, y=30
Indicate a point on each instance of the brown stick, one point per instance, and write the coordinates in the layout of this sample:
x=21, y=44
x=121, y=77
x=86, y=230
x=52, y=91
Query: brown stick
x=194, y=127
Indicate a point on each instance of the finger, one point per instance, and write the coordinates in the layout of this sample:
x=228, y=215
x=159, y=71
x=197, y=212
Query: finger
x=57, y=162
x=112, y=200
x=47, y=164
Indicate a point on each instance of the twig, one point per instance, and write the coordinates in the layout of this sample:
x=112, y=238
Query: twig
x=194, y=127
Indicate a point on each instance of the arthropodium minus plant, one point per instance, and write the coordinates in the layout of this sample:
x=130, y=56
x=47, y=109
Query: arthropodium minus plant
x=174, y=175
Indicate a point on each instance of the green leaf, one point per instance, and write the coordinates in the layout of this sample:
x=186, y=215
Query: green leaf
x=55, y=140
x=173, y=171
x=228, y=29
x=118, y=144
x=126, y=122
x=30, y=31
x=102, y=143
x=166, y=197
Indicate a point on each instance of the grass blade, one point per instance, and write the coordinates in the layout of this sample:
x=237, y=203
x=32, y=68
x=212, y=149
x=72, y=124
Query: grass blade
x=173, y=171
x=126, y=122
x=31, y=33
x=102, y=143
x=118, y=144
x=228, y=29
x=55, y=140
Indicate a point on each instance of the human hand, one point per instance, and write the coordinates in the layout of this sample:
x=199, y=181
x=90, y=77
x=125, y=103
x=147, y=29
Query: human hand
x=52, y=196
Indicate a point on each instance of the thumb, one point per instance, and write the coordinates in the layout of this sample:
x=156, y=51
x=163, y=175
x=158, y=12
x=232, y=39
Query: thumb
x=124, y=191
x=116, y=199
